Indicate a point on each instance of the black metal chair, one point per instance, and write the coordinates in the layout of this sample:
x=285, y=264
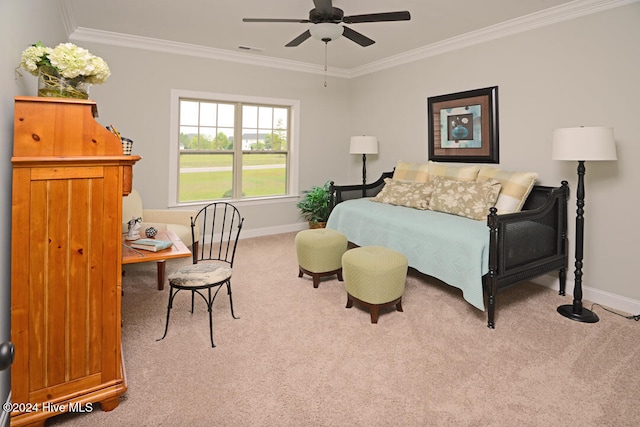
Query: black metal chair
x=213, y=255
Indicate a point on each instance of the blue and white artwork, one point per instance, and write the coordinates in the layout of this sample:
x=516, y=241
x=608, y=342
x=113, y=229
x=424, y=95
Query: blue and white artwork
x=461, y=127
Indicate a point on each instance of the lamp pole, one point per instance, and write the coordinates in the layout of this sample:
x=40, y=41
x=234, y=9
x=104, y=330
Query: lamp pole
x=364, y=173
x=575, y=311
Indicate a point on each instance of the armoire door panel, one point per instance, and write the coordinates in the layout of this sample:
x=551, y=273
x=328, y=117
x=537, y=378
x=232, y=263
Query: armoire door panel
x=80, y=326
x=56, y=279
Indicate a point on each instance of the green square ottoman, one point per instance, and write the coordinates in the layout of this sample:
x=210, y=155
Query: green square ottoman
x=375, y=277
x=320, y=253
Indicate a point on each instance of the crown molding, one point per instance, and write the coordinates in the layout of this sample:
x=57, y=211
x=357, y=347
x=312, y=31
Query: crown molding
x=565, y=12
x=177, y=48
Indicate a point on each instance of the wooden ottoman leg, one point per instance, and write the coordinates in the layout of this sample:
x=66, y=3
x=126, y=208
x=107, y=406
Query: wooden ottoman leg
x=349, y=301
x=339, y=273
x=399, y=305
x=300, y=273
x=374, y=309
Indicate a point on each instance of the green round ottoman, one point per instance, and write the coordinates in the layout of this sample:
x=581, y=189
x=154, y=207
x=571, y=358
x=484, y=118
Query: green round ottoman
x=375, y=277
x=320, y=253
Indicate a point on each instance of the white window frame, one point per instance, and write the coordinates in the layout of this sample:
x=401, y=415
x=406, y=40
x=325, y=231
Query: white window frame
x=292, y=145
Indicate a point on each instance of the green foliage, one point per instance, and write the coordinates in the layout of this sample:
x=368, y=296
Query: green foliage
x=203, y=142
x=314, y=206
x=275, y=141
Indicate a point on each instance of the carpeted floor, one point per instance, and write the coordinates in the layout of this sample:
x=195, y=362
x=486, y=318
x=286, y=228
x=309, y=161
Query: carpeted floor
x=298, y=357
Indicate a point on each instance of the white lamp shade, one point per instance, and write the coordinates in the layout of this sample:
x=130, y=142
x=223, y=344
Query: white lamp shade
x=363, y=144
x=584, y=143
x=326, y=30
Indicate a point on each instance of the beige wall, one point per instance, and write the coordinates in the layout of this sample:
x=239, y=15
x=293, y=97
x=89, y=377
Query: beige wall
x=581, y=72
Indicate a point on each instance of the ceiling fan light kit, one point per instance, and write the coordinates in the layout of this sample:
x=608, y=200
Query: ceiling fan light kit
x=326, y=31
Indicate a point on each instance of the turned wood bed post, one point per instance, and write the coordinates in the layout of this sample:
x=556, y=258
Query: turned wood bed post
x=562, y=275
x=332, y=195
x=491, y=279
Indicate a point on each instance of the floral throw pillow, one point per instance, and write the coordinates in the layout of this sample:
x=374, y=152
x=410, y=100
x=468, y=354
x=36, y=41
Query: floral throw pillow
x=405, y=193
x=471, y=199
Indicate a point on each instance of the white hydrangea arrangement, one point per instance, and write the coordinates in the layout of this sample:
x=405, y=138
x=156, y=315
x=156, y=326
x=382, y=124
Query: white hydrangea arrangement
x=69, y=60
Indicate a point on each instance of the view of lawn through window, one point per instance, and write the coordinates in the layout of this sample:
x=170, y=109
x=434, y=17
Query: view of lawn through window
x=232, y=150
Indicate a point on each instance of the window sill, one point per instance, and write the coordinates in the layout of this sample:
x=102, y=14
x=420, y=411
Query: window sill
x=271, y=200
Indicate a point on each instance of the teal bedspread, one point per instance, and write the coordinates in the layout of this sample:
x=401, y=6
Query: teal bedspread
x=451, y=248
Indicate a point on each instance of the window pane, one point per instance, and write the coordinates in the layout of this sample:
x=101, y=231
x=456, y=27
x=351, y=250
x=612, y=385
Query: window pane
x=189, y=113
x=250, y=139
x=275, y=141
x=265, y=117
x=188, y=137
x=207, y=137
x=249, y=116
x=280, y=118
x=224, y=139
x=264, y=174
x=205, y=176
x=226, y=115
x=208, y=114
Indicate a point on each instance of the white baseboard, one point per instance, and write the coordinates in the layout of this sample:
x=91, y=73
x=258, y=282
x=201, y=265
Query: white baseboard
x=607, y=299
x=267, y=231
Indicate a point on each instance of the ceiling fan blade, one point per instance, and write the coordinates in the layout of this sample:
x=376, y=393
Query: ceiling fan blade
x=302, y=37
x=323, y=7
x=301, y=21
x=378, y=17
x=355, y=36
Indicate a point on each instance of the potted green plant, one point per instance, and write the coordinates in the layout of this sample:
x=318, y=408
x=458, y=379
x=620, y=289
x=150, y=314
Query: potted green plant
x=314, y=205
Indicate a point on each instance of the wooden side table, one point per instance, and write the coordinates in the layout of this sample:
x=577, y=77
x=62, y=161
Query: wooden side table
x=178, y=250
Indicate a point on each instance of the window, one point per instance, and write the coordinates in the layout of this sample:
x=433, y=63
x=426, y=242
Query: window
x=226, y=148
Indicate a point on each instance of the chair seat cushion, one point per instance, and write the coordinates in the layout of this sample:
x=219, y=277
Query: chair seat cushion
x=201, y=275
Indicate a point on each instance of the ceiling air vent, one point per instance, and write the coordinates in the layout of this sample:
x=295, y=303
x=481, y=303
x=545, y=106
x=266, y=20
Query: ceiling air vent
x=250, y=48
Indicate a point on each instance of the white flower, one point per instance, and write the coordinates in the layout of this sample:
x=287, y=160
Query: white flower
x=33, y=57
x=69, y=60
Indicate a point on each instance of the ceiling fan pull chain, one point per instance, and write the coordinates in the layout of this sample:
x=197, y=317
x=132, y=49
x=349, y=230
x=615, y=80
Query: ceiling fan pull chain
x=326, y=43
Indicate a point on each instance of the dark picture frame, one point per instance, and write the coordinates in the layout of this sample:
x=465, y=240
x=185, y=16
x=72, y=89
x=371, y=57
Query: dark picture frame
x=463, y=126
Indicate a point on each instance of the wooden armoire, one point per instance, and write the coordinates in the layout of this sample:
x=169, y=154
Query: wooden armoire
x=69, y=177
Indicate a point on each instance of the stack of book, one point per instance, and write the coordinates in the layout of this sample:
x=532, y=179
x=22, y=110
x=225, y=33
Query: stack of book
x=152, y=245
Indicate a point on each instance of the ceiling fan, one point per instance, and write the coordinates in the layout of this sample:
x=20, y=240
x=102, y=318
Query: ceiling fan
x=327, y=19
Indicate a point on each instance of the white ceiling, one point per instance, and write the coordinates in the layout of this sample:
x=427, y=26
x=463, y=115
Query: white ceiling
x=217, y=24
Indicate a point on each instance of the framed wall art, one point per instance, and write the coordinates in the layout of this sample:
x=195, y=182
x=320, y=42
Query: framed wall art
x=463, y=126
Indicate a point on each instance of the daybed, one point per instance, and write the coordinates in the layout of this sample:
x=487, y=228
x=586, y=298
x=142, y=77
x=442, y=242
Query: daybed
x=520, y=235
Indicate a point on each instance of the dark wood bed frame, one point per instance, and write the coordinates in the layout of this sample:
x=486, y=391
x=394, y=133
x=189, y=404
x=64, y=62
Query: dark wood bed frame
x=511, y=257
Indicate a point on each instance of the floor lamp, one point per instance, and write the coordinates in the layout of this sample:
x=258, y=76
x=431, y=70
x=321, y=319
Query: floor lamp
x=581, y=144
x=364, y=145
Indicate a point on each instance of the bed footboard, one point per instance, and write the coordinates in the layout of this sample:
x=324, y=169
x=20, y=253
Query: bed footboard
x=528, y=244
